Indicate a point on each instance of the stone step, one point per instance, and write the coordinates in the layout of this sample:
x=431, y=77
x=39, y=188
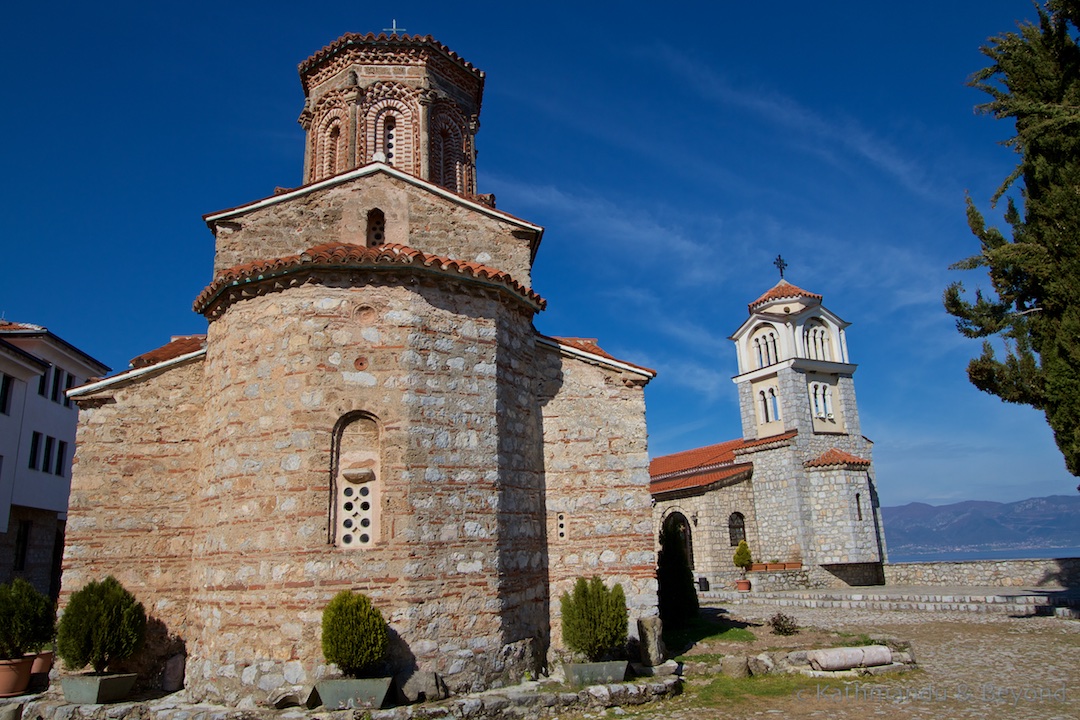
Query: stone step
x=1003, y=603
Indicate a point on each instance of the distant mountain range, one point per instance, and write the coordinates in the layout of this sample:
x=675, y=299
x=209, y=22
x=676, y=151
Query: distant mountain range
x=1044, y=522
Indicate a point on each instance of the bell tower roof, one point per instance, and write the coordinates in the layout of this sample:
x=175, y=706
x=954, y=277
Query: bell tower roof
x=784, y=290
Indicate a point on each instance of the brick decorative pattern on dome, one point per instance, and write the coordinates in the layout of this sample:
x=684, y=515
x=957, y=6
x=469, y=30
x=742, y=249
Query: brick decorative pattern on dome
x=368, y=38
x=783, y=290
x=833, y=457
x=346, y=256
x=181, y=345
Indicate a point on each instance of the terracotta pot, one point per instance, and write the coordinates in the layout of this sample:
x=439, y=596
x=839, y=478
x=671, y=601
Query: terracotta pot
x=43, y=662
x=15, y=676
x=775, y=566
x=742, y=585
x=793, y=566
x=757, y=567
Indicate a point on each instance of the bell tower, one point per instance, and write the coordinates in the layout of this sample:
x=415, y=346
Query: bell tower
x=406, y=101
x=794, y=372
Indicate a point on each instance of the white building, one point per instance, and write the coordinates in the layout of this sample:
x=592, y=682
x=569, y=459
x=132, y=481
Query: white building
x=37, y=445
x=799, y=484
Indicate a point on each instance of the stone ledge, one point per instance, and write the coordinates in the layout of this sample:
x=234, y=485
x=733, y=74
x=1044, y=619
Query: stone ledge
x=528, y=700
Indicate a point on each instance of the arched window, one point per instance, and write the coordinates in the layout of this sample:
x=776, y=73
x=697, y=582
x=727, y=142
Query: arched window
x=766, y=346
x=858, y=505
x=774, y=404
x=355, y=482
x=376, y=227
x=764, y=404
x=816, y=341
x=736, y=528
x=821, y=403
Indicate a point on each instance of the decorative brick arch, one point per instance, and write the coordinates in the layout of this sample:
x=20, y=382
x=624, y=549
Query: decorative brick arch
x=386, y=104
x=450, y=161
x=331, y=144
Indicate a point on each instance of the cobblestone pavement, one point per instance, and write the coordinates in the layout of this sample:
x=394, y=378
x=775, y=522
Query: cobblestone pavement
x=973, y=665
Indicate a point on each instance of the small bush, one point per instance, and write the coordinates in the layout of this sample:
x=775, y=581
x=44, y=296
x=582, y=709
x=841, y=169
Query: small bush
x=354, y=634
x=101, y=625
x=742, y=558
x=594, y=619
x=782, y=624
x=27, y=619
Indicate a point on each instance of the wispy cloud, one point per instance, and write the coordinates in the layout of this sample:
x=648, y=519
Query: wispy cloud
x=824, y=136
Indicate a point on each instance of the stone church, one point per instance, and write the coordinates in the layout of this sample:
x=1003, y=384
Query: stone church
x=370, y=408
x=799, y=484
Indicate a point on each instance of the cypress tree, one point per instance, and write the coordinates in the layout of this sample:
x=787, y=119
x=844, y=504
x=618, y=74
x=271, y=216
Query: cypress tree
x=1034, y=308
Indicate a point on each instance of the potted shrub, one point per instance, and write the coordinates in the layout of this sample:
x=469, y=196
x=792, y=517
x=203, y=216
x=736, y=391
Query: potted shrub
x=594, y=624
x=102, y=625
x=26, y=625
x=743, y=561
x=355, y=638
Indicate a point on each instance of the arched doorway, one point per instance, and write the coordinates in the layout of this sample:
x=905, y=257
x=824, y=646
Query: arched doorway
x=676, y=526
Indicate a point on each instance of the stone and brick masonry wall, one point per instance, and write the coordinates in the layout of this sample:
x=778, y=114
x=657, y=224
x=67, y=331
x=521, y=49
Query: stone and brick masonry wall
x=1063, y=572
x=133, y=484
x=597, y=480
x=339, y=214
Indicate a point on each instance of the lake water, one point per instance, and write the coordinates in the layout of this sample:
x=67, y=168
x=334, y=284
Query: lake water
x=1027, y=554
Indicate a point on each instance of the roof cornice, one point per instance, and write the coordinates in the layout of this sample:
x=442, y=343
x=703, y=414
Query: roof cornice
x=371, y=169
x=594, y=358
x=83, y=390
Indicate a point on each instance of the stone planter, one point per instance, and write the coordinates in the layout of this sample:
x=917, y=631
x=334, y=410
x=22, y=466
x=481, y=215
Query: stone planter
x=598, y=673
x=348, y=693
x=758, y=567
x=742, y=585
x=93, y=689
x=15, y=676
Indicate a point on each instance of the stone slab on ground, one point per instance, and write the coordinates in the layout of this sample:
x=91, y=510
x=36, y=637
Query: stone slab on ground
x=528, y=700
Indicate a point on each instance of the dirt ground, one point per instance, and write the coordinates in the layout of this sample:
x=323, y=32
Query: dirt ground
x=971, y=665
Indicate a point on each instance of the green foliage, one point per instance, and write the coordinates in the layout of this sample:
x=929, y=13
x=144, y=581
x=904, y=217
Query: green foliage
x=354, y=634
x=782, y=624
x=27, y=619
x=678, y=594
x=594, y=619
x=1034, y=309
x=101, y=625
x=742, y=558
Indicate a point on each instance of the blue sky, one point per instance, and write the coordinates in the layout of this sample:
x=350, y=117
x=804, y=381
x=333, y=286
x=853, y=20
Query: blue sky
x=670, y=150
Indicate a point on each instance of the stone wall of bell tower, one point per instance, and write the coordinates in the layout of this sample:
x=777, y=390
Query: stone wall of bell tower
x=406, y=101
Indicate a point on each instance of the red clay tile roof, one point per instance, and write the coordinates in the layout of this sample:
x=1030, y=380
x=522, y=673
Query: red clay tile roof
x=589, y=345
x=179, y=345
x=835, y=456
x=9, y=326
x=686, y=482
x=782, y=290
x=707, y=465
x=709, y=456
x=346, y=256
x=349, y=39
